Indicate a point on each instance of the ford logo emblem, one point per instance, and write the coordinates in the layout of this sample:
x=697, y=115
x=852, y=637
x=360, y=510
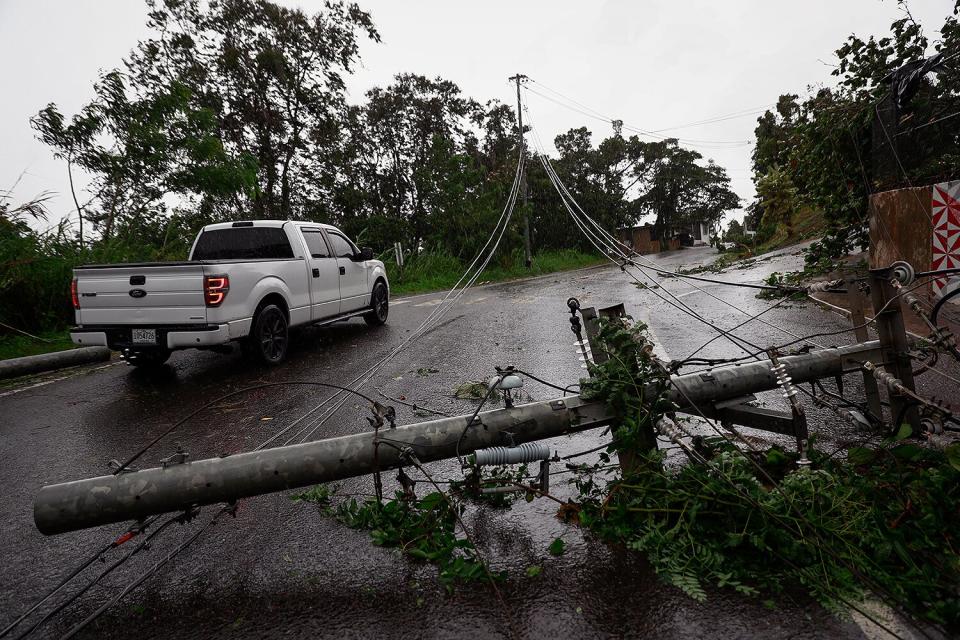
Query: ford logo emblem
x=137, y=293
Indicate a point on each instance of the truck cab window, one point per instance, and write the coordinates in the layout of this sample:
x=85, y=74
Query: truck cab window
x=315, y=243
x=243, y=243
x=342, y=248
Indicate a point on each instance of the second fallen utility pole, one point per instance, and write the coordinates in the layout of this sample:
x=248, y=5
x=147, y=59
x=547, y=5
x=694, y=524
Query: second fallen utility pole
x=523, y=174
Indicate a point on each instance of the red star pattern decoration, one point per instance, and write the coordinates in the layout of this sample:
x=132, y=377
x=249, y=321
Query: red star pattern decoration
x=945, y=208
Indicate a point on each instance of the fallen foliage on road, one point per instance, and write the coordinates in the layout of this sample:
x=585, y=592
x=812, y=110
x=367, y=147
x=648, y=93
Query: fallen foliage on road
x=880, y=520
x=871, y=521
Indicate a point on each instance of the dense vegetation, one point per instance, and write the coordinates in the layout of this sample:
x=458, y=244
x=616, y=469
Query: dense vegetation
x=831, y=150
x=237, y=109
x=876, y=519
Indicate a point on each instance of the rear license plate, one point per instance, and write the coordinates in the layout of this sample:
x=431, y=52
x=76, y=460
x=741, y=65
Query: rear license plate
x=143, y=336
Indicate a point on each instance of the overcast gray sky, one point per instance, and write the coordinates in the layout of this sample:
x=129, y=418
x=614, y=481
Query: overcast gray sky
x=655, y=65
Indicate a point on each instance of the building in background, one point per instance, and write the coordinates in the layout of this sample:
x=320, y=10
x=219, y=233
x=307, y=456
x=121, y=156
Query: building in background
x=701, y=233
x=644, y=239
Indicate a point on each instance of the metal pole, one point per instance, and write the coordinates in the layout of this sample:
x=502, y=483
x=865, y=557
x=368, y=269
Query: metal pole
x=894, y=346
x=128, y=496
x=523, y=173
x=872, y=392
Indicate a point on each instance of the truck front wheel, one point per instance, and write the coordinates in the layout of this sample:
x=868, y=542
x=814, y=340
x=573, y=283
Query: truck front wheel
x=269, y=336
x=379, y=305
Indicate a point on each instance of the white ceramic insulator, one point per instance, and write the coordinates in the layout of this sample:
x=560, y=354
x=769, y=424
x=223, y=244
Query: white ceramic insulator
x=526, y=452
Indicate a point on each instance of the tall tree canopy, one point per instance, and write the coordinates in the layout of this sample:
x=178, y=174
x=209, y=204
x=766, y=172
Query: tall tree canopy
x=233, y=105
x=624, y=180
x=237, y=109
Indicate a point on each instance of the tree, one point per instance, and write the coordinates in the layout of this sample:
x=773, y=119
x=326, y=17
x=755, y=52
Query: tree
x=734, y=231
x=678, y=190
x=826, y=146
x=273, y=77
x=778, y=196
x=712, y=196
x=773, y=134
x=421, y=150
x=419, y=170
x=236, y=109
x=34, y=265
x=624, y=179
x=139, y=147
x=233, y=109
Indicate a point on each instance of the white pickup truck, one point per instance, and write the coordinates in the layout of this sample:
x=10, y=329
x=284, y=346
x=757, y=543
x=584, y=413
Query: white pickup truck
x=244, y=281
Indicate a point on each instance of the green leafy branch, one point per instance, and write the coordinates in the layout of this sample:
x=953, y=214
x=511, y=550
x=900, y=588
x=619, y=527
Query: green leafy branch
x=886, y=519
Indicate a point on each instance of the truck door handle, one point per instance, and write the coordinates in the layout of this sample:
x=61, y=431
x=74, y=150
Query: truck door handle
x=316, y=273
x=343, y=271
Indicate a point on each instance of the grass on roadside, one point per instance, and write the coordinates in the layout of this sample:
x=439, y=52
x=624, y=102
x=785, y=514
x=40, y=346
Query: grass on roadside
x=435, y=271
x=16, y=345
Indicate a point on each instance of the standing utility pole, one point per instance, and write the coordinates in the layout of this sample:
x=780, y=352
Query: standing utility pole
x=523, y=174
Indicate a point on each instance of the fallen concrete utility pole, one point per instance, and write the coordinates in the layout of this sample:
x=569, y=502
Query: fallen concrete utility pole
x=174, y=487
x=28, y=365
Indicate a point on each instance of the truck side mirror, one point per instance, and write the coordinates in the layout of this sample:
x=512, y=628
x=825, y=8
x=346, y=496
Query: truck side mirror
x=365, y=253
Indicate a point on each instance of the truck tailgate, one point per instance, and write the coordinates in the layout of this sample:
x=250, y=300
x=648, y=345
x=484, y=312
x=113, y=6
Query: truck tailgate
x=149, y=294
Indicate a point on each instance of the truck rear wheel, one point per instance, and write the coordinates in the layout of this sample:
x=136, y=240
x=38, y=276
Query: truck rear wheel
x=379, y=305
x=269, y=336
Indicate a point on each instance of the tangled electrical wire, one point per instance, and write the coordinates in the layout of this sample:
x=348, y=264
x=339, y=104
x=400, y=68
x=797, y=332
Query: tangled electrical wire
x=468, y=279
x=609, y=247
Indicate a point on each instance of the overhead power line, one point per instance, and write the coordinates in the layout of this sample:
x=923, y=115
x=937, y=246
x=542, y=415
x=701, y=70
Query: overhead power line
x=724, y=118
x=609, y=246
x=467, y=280
x=574, y=105
x=707, y=144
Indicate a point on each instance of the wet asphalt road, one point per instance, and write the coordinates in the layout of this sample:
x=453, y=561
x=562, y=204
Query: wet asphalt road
x=281, y=569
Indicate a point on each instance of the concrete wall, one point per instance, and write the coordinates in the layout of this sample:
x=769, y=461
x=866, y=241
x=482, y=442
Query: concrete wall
x=900, y=227
x=919, y=225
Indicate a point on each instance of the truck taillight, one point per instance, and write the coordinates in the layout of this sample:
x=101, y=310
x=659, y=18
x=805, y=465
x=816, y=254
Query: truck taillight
x=74, y=297
x=215, y=289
